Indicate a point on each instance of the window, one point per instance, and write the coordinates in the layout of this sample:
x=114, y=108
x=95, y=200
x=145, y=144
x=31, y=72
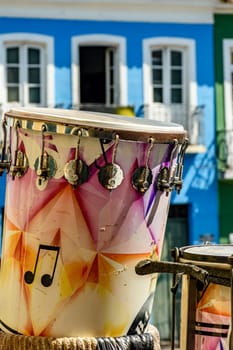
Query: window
x=98, y=82
x=27, y=69
x=24, y=78
x=228, y=102
x=167, y=67
x=228, y=82
x=104, y=83
x=170, y=92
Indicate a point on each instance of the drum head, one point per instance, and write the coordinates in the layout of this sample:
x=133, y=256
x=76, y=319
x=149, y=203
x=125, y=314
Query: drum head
x=103, y=125
x=210, y=253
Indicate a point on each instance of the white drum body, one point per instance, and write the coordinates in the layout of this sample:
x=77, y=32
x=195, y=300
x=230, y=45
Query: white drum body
x=70, y=248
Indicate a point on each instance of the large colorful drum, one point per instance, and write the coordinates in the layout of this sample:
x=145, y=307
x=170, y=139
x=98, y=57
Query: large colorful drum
x=87, y=198
x=206, y=313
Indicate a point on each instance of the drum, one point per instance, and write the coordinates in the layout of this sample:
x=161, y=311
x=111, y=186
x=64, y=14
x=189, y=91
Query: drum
x=206, y=311
x=87, y=198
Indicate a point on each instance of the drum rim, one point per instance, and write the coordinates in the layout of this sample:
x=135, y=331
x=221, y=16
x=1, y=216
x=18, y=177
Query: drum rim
x=128, y=128
x=183, y=253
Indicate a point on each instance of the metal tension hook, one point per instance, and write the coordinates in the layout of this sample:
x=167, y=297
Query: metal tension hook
x=111, y=175
x=45, y=165
x=20, y=164
x=178, y=181
x=5, y=158
x=165, y=180
x=142, y=176
x=76, y=171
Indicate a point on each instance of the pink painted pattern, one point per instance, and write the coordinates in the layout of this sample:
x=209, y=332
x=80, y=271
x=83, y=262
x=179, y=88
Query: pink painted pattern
x=96, y=235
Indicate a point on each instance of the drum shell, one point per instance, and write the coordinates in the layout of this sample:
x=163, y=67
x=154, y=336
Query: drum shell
x=87, y=239
x=206, y=312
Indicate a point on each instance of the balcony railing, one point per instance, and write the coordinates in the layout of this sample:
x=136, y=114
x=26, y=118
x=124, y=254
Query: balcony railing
x=225, y=153
x=192, y=119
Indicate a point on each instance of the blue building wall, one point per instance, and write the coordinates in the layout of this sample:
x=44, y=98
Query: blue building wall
x=200, y=182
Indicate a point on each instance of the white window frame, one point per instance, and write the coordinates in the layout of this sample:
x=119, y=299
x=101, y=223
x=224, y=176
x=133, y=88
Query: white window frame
x=98, y=40
x=166, y=70
x=228, y=101
x=180, y=43
x=24, y=85
x=35, y=40
x=110, y=68
x=227, y=70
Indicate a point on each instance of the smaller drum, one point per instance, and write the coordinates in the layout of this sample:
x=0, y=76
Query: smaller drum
x=206, y=312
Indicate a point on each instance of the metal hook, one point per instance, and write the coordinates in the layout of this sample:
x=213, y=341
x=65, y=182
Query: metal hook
x=103, y=153
x=76, y=171
x=142, y=176
x=178, y=182
x=79, y=134
x=45, y=165
x=5, y=160
x=115, y=148
x=171, y=167
x=20, y=165
x=166, y=177
x=110, y=175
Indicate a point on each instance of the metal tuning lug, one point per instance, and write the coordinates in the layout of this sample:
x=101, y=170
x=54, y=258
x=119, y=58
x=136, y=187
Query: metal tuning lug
x=76, y=171
x=5, y=158
x=178, y=181
x=111, y=175
x=142, y=176
x=163, y=180
x=45, y=165
x=20, y=163
x=166, y=176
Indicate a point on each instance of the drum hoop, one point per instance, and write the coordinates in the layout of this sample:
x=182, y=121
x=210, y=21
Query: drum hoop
x=205, y=264
x=223, y=259
x=100, y=128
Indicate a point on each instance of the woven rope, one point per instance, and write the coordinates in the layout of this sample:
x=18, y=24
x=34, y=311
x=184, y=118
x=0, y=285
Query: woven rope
x=22, y=342
x=146, y=341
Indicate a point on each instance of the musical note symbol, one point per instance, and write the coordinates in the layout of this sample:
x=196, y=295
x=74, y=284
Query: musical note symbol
x=46, y=279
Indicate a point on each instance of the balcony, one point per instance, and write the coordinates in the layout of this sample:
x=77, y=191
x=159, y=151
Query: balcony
x=191, y=118
x=225, y=154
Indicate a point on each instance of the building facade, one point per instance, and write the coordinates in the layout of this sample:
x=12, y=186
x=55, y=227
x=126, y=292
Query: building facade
x=224, y=117
x=152, y=57
x=99, y=55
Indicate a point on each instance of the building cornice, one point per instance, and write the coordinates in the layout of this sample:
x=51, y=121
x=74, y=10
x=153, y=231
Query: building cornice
x=173, y=11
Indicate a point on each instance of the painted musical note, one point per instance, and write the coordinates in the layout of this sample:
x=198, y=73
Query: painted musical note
x=46, y=279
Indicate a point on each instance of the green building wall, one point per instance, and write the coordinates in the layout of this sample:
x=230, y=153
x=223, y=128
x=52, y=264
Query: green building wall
x=223, y=29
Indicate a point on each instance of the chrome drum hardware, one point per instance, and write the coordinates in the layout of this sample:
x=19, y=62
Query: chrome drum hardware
x=44, y=165
x=111, y=175
x=76, y=170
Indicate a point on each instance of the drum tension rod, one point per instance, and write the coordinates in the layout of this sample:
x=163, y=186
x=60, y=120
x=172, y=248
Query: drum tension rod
x=171, y=177
x=20, y=165
x=43, y=168
x=110, y=175
x=165, y=180
x=178, y=182
x=5, y=158
x=45, y=165
x=76, y=171
x=142, y=176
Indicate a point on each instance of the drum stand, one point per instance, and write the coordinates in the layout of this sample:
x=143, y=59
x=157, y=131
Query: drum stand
x=146, y=341
x=198, y=280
